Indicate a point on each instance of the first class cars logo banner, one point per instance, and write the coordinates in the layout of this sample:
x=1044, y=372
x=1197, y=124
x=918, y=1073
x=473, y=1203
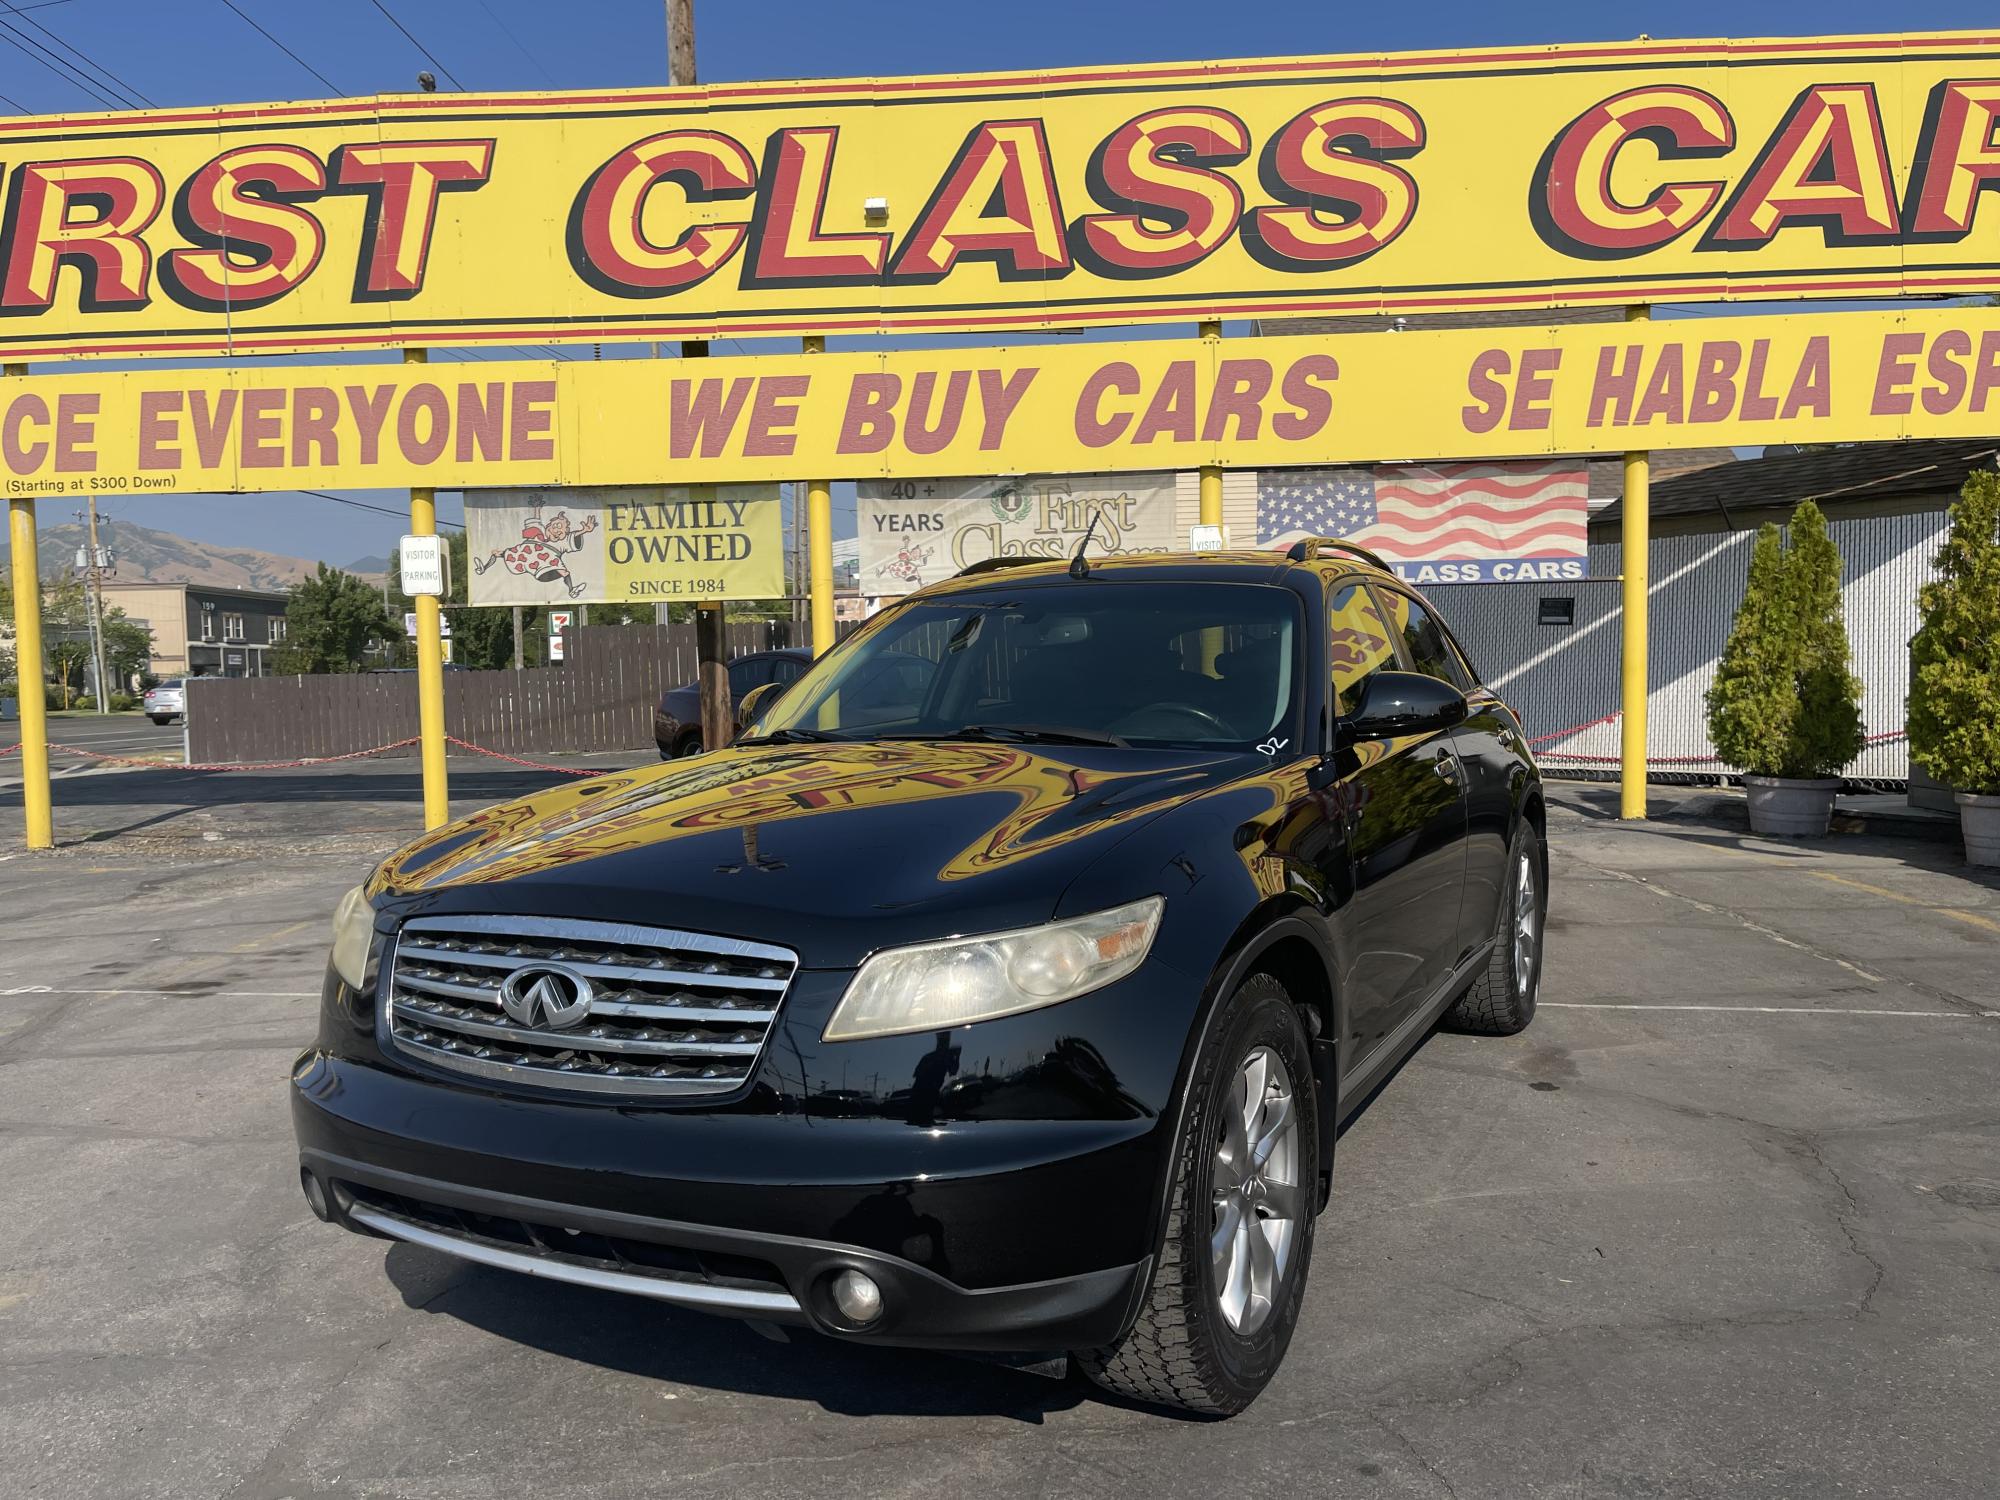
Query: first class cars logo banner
x=642, y=544
x=1079, y=409
x=917, y=532
x=1505, y=178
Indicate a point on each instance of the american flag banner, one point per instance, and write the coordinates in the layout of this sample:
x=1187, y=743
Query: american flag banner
x=1510, y=521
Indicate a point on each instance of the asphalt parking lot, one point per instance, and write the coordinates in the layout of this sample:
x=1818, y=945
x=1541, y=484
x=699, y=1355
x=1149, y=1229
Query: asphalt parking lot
x=1724, y=1221
x=131, y=735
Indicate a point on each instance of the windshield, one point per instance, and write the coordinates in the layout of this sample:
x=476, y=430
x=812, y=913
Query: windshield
x=1102, y=661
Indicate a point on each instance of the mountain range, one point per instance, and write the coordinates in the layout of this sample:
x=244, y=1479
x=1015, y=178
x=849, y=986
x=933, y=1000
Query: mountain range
x=144, y=555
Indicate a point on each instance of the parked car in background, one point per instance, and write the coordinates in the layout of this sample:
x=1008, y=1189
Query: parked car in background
x=677, y=721
x=166, y=701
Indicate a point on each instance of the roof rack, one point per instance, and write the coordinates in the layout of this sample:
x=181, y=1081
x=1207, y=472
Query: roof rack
x=1306, y=549
x=994, y=564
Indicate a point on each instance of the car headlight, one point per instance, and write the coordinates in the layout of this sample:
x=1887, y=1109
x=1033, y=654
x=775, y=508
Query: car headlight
x=353, y=932
x=932, y=986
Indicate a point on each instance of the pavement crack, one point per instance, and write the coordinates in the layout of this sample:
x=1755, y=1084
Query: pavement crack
x=1845, y=1218
x=1437, y=1475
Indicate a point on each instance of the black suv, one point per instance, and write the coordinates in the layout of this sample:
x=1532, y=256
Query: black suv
x=1015, y=1010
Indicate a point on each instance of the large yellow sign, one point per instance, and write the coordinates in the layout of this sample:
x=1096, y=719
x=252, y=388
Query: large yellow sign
x=1047, y=409
x=1505, y=178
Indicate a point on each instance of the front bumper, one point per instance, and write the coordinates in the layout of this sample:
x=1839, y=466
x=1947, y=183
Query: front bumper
x=1004, y=1199
x=771, y=1278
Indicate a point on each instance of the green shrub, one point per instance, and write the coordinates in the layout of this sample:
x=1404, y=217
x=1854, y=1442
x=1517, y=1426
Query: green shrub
x=1784, y=701
x=1954, y=716
x=123, y=702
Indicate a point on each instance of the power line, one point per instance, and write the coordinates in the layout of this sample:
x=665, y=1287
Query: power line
x=78, y=53
x=508, y=33
x=419, y=45
x=331, y=86
x=14, y=104
x=364, y=505
x=65, y=72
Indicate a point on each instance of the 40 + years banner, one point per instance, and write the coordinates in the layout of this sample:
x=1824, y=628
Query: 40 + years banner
x=1501, y=178
x=642, y=544
x=916, y=532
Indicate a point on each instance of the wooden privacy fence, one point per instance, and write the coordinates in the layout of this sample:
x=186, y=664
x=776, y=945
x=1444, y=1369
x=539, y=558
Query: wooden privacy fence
x=600, y=699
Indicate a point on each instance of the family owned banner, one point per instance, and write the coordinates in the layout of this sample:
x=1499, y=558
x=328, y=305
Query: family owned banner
x=641, y=544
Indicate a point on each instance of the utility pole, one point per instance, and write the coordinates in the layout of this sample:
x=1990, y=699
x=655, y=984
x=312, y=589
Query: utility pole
x=680, y=42
x=711, y=648
x=93, y=576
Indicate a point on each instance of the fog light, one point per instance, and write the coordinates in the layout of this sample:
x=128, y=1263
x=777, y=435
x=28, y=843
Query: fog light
x=857, y=1296
x=316, y=1196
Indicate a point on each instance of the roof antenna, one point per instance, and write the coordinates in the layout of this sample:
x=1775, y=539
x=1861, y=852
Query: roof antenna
x=1078, y=568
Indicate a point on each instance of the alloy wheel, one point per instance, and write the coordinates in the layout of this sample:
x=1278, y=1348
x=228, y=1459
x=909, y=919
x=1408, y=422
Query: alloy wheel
x=1527, y=936
x=1258, y=1202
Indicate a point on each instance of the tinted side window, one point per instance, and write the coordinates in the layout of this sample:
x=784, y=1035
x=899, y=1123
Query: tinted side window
x=1430, y=652
x=1359, y=645
x=785, y=670
x=748, y=672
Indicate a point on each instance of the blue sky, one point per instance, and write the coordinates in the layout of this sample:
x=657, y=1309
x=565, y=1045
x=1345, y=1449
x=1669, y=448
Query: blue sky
x=200, y=52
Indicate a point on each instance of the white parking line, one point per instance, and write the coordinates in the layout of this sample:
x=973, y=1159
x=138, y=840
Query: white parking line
x=1775, y=1010
x=42, y=989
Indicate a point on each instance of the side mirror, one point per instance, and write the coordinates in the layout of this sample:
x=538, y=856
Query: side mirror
x=1397, y=704
x=754, y=702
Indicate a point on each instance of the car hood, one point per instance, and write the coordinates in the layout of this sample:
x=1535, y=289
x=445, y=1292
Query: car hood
x=831, y=850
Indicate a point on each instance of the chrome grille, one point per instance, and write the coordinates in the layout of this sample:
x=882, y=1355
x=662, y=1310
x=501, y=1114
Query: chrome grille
x=668, y=1013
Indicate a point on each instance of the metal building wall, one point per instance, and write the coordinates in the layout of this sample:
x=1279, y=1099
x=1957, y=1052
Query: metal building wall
x=1563, y=677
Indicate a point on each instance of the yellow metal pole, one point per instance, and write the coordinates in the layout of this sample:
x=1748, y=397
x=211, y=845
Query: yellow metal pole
x=39, y=819
x=819, y=545
x=1636, y=551
x=1211, y=515
x=430, y=661
x=1211, y=474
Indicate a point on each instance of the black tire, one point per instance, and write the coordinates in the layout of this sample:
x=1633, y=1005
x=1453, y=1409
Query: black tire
x=1181, y=1351
x=163, y=720
x=688, y=744
x=1501, y=1001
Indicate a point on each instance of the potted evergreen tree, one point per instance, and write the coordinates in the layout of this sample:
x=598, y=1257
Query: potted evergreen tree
x=1785, y=708
x=1954, y=720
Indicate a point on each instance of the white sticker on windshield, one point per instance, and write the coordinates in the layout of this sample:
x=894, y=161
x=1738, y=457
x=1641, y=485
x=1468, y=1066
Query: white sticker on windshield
x=1273, y=745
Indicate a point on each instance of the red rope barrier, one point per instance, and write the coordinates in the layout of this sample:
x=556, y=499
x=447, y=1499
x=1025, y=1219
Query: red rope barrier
x=257, y=765
x=531, y=764
x=319, y=760
x=1563, y=734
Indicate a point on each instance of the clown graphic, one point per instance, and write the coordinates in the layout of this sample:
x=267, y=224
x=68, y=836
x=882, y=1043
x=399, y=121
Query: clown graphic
x=907, y=565
x=543, y=549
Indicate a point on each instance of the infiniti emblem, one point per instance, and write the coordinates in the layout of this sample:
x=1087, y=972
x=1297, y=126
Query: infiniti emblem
x=546, y=995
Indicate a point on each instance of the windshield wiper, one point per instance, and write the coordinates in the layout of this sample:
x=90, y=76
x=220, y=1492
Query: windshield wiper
x=1020, y=734
x=791, y=737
